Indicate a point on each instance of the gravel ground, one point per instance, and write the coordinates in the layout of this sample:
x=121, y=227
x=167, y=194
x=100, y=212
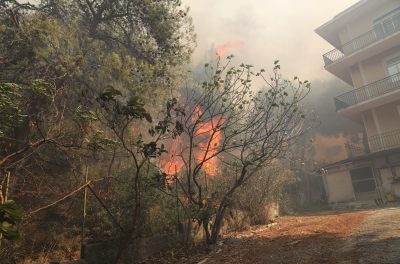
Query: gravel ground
x=377, y=240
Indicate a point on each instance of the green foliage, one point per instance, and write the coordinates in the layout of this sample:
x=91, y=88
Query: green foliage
x=161, y=212
x=79, y=75
x=110, y=94
x=111, y=100
x=135, y=108
x=100, y=142
x=10, y=113
x=41, y=89
x=85, y=114
x=10, y=215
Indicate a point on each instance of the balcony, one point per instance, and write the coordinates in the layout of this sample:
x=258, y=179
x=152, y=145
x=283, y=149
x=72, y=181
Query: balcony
x=384, y=141
x=355, y=150
x=368, y=92
x=387, y=140
x=380, y=31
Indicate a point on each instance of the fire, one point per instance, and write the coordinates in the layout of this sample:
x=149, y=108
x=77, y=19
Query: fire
x=197, y=113
x=208, y=147
x=173, y=163
x=224, y=48
x=207, y=138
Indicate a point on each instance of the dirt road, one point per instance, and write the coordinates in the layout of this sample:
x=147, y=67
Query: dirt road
x=359, y=237
x=377, y=240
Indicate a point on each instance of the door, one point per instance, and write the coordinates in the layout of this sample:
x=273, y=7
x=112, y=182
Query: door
x=364, y=185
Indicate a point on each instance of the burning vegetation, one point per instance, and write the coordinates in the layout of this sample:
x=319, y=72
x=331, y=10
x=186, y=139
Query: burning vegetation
x=208, y=138
x=228, y=131
x=90, y=114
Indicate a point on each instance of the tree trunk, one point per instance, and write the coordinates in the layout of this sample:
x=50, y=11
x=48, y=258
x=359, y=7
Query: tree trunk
x=207, y=231
x=185, y=229
x=308, y=189
x=219, y=217
x=217, y=225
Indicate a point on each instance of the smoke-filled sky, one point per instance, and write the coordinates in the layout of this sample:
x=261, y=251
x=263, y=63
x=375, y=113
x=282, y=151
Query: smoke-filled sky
x=260, y=31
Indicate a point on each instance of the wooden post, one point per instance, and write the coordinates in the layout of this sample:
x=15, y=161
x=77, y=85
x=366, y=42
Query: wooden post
x=8, y=176
x=84, y=213
x=178, y=220
x=3, y=198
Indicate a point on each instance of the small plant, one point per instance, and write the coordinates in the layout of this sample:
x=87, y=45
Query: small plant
x=10, y=215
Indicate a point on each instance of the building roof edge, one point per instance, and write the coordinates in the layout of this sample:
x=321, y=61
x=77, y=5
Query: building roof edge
x=340, y=15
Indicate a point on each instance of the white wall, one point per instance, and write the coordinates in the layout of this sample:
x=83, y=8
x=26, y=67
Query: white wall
x=340, y=188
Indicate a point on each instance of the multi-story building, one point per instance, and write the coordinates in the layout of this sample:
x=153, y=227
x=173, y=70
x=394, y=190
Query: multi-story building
x=366, y=55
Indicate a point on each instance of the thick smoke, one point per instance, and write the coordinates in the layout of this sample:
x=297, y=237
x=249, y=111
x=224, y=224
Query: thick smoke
x=321, y=100
x=331, y=130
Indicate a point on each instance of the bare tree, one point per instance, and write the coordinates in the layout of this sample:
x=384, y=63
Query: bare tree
x=229, y=124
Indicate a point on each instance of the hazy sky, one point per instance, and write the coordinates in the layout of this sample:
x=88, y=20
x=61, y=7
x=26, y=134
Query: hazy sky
x=264, y=30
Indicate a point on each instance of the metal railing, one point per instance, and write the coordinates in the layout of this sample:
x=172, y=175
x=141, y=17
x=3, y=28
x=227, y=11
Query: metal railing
x=379, y=142
x=354, y=150
x=367, y=92
x=387, y=140
x=380, y=31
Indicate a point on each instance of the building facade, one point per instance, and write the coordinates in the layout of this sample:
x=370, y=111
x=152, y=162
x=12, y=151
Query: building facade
x=366, y=55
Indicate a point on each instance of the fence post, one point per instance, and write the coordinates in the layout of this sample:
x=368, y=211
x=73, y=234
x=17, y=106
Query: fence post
x=84, y=213
x=8, y=176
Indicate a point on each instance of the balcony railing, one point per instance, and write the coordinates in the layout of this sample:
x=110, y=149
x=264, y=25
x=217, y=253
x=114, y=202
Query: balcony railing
x=383, y=141
x=367, y=92
x=354, y=150
x=380, y=31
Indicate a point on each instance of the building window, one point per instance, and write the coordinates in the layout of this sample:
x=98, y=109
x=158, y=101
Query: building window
x=393, y=69
x=363, y=180
x=387, y=24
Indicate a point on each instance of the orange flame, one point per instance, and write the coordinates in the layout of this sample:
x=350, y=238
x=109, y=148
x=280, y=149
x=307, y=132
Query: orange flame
x=197, y=113
x=172, y=163
x=207, y=137
x=208, y=147
x=224, y=48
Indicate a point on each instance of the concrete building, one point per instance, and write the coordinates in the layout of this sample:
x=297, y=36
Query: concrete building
x=366, y=55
